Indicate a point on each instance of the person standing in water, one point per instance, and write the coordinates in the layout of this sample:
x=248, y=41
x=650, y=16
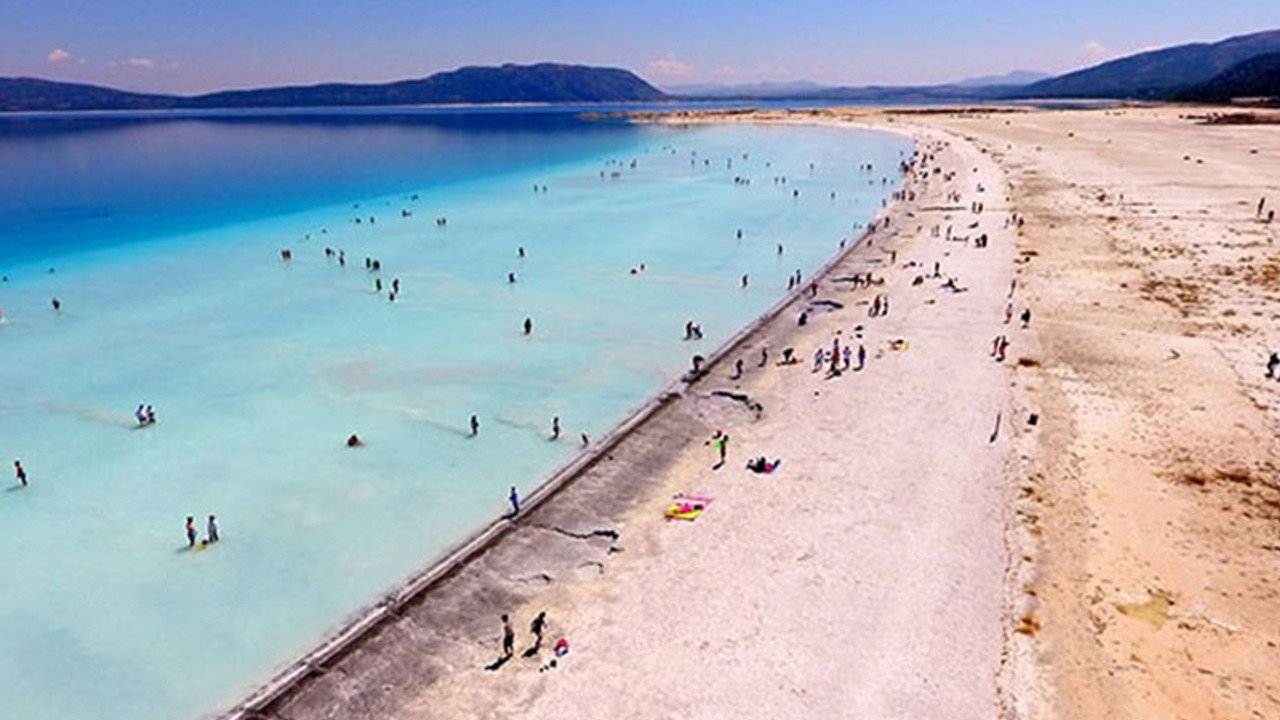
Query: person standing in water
x=212, y=529
x=555, y=428
x=475, y=426
x=20, y=472
x=191, y=531
x=528, y=326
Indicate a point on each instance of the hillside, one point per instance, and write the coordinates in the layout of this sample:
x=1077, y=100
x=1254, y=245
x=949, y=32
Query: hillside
x=542, y=83
x=1257, y=77
x=30, y=94
x=1158, y=74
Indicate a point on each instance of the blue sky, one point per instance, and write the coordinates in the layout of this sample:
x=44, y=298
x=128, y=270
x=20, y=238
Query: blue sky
x=189, y=46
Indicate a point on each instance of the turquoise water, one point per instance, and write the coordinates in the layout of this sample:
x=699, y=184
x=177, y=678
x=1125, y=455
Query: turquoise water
x=165, y=241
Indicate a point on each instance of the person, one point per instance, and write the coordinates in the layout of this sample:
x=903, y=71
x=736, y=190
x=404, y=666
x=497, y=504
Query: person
x=818, y=358
x=20, y=472
x=555, y=428
x=514, y=498
x=520, y=252
x=537, y=627
x=151, y=415
x=354, y=441
x=57, y=304
x=212, y=529
x=745, y=280
x=191, y=531
x=1008, y=313
x=737, y=366
x=141, y=414
x=1272, y=363
x=585, y=440
x=764, y=356
x=475, y=426
x=721, y=440
x=508, y=637
x=528, y=326
x=562, y=647
x=862, y=356
x=1026, y=318
x=511, y=278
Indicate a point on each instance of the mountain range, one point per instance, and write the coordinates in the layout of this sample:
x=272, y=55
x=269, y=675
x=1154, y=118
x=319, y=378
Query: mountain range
x=541, y=83
x=1242, y=66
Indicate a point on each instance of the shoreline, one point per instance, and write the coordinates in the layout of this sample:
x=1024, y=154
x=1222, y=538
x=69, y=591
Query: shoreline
x=427, y=638
x=457, y=556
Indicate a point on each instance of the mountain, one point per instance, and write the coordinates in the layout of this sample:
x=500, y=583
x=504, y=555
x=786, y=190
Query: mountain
x=31, y=94
x=1158, y=74
x=1013, y=78
x=1257, y=77
x=542, y=83
x=798, y=88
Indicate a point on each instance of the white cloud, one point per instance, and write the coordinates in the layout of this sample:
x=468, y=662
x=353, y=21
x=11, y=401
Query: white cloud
x=669, y=67
x=1094, y=50
x=59, y=55
x=140, y=62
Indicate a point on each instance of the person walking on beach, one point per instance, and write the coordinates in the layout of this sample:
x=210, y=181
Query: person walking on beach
x=212, y=529
x=514, y=499
x=862, y=356
x=1273, y=362
x=721, y=440
x=538, y=627
x=508, y=637
x=20, y=472
x=191, y=531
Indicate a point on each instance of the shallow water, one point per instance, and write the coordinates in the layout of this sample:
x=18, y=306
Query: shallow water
x=166, y=253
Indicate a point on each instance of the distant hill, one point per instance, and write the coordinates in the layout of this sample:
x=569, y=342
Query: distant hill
x=1156, y=75
x=1013, y=78
x=797, y=88
x=542, y=83
x=1257, y=77
x=33, y=94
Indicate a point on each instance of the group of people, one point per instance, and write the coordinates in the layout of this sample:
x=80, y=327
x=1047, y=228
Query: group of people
x=211, y=532
x=145, y=415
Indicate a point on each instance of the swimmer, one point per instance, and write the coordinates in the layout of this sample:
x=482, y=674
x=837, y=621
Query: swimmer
x=57, y=304
x=354, y=441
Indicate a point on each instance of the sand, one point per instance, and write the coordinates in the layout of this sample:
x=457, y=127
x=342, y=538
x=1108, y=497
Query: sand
x=1114, y=559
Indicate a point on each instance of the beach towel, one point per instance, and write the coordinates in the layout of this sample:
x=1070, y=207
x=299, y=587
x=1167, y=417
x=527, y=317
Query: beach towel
x=684, y=511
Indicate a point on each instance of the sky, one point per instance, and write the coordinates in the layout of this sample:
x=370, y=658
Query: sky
x=194, y=46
